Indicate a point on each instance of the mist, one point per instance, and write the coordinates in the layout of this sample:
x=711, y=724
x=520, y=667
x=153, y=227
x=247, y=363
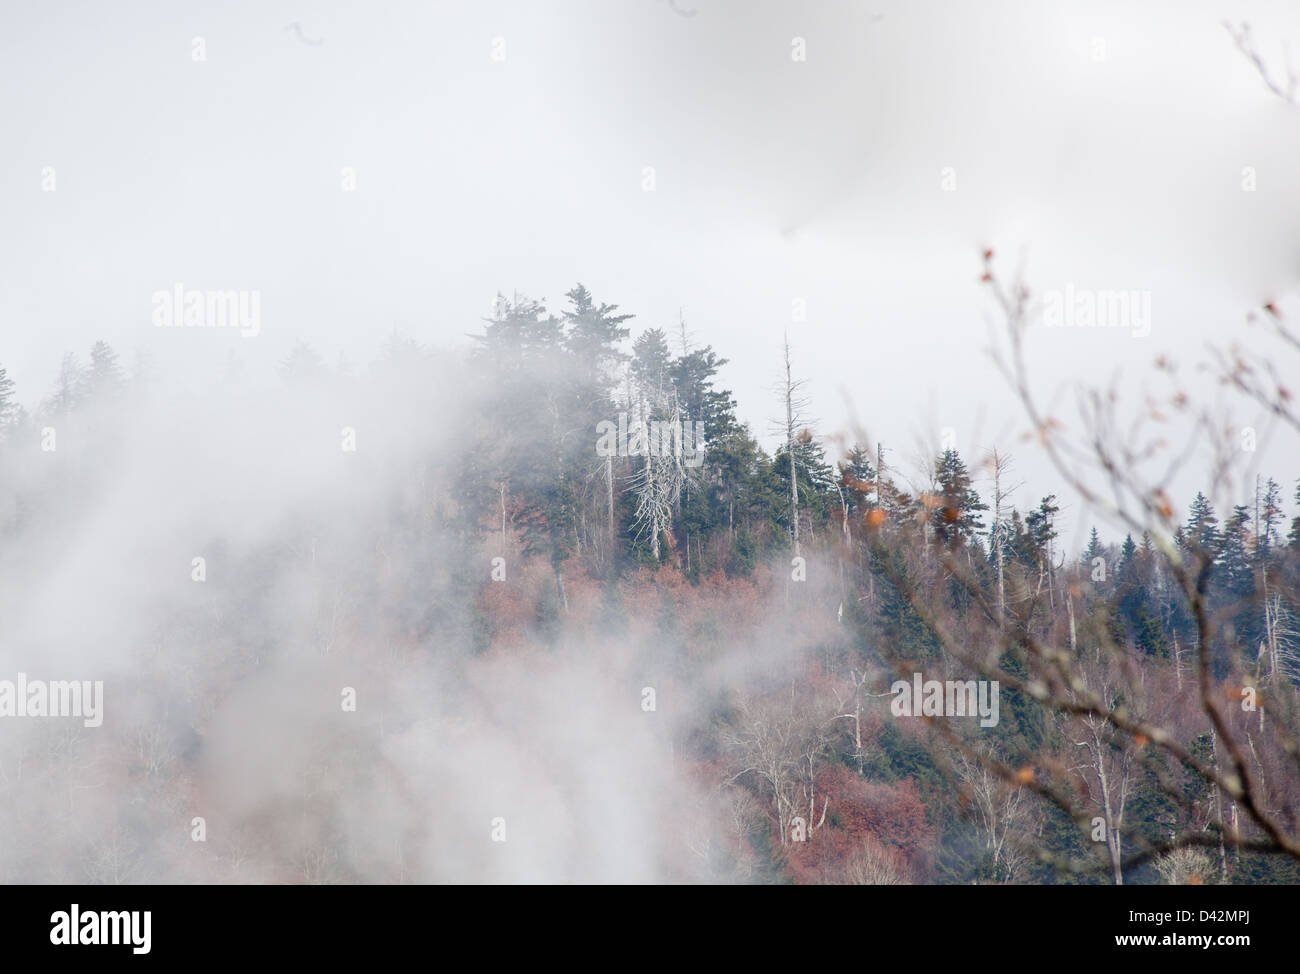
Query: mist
x=330, y=650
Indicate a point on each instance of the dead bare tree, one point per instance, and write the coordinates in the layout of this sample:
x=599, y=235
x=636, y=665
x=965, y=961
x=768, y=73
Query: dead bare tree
x=1003, y=812
x=1184, y=867
x=870, y=864
x=1000, y=465
x=795, y=405
x=1108, y=764
x=780, y=738
x=664, y=474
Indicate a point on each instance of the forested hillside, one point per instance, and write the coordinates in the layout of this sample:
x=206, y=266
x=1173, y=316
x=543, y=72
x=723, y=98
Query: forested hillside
x=564, y=643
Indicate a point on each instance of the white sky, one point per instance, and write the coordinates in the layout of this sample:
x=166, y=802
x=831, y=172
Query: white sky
x=775, y=180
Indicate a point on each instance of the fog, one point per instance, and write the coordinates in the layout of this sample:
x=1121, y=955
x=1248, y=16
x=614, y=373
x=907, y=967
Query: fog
x=1111, y=167
x=223, y=696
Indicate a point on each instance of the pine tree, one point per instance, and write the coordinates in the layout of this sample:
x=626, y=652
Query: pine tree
x=8, y=401
x=651, y=381
x=68, y=387
x=1236, y=575
x=858, y=481
x=105, y=379
x=402, y=361
x=593, y=335
x=1293, y=539
x=1127, y=558
x=958, y=516
x=1233, y=590
x=692, y=377
x=302, y=365
x=737, y=464
x=592, y=338
x=1041, y=526
x=1094, y=550
x=708, y=502
x=813, y=477
x=531, y=431
x=1202, y=533
x=1269, y=516
x=520, y=343
x=1137, y=600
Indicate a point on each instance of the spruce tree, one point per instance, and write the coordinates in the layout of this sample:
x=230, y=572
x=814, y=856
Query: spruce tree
x=958, y=516
x=8, y=401
x=1202, y=534
x=1094, y=550
x=104, y=379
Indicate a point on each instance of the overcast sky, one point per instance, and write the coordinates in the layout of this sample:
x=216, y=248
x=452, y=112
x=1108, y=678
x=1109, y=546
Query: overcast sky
x=1099, y=145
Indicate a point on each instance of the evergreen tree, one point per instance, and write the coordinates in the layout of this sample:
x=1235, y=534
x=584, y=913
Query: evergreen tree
x=8, y=401
x=858, y=480
x=1293, y=539
x=531, y=426
x=68, y=387
x=1136, y=601
x=105, y=379
x=593, y=335
x=1094, y=550
x=1202, y=532
x=1041, y=525
x=302, y=365
x=737, y=464
x=899, y=625
x=402, y=361
x=708, y=503
x=1233, y=591
x=1269, y=509
x=1019, y=543
x=591, y=341
x=958, y=516
x=692, y=377
x=1127, y=558
x=1236, y=577
x=814, y=479
x=651, y=381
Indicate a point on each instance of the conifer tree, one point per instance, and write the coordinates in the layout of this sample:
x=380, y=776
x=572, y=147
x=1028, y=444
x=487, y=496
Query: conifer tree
x=958, y=517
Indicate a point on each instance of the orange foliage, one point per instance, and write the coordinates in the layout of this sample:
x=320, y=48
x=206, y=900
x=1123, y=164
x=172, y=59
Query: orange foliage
x=872, y=831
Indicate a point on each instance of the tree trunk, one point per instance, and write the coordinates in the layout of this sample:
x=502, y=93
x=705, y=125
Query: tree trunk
x=559, y=588
x=1069, y=606
x=789, y=445
x=609, y=495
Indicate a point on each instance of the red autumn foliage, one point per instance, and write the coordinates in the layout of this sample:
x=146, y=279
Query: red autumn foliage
x=873, y=832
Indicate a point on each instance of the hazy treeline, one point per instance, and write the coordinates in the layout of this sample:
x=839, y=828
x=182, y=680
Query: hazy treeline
x=564, y=664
